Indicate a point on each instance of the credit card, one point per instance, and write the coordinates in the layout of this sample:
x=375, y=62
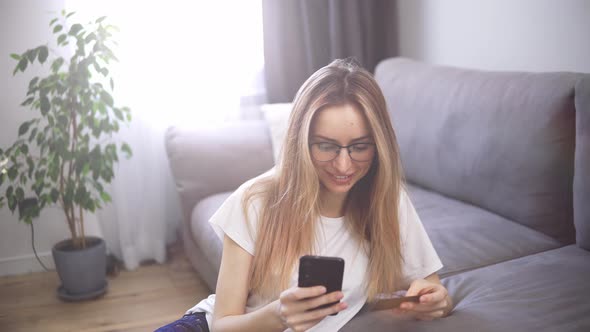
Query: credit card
x=394, y=302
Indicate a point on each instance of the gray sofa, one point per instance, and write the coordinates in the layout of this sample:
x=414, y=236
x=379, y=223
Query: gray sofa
x=498, y=167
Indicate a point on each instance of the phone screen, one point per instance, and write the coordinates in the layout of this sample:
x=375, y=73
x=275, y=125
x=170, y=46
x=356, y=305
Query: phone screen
x=321, y=270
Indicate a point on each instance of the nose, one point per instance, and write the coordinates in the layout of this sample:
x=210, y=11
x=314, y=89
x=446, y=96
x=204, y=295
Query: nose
x=342, y=162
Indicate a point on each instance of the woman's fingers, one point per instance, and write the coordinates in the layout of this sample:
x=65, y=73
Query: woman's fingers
x=321, y=300
x=431, y=315
x=307, y=299
x=439, y=294
x=433, y=300
x=314, y=316
x=423, y=307
x=300, y=293
x=297, y=306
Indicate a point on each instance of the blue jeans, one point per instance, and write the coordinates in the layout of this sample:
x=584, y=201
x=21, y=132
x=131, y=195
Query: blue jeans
x=195, y=322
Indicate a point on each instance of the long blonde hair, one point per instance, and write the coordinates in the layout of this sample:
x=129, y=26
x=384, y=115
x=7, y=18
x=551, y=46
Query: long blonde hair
x=290, y=196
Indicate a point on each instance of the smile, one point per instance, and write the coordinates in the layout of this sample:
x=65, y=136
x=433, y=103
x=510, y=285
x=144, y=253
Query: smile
x=341, y=179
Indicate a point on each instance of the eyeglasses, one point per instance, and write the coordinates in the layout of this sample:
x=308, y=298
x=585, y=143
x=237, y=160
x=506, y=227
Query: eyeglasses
x=329, y=151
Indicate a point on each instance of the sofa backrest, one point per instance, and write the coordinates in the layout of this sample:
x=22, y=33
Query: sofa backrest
x=582, y=164
x=503, y=141
x=216, y=159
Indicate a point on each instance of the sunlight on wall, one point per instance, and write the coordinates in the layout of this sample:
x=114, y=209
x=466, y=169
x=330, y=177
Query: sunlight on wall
x=182, y=62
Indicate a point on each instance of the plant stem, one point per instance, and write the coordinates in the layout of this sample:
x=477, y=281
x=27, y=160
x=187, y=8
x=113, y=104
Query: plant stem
x=69, y=217
x=82, y=227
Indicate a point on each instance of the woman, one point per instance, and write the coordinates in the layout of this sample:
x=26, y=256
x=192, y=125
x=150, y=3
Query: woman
x=332, y=193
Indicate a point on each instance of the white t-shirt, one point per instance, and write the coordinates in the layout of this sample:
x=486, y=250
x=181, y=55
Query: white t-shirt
x=332, y=239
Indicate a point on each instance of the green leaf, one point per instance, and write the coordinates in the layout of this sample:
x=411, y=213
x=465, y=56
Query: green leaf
x=9, y=191
x=118, y=114
x=40, y=138
x=21, y=66
x=27, y=101
x=81, y=194
x=53, y=21
x=62, y=120
x=102, y=109
x=43, y=53
x=127, y=149
x=15, y=56
x=24, y=127
x=40, y=175
x=31, y=165
x=112, y=83
x=90, y=37
x=54, y=195
x=107, y=98
x=20, y=193
x=23, y=178
x=11, y=201
x=100, y=19
x=37, y=188
x=33, y=82
x=57, y=63
x=32, y=135
x=12, y=173
x=105, y=197
x=85, y=169
x=75, y=29
x=98, y=186
x=61, y=38
x=45, y=105
x=24, y=149
x=91, y=206
x=70, y=14
x=32, y=54
x=58, y=28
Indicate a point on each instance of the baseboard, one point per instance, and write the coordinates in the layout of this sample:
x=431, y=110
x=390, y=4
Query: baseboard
x=25, y=264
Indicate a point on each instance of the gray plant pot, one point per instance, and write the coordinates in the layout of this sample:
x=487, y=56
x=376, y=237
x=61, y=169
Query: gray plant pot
x=82, y=271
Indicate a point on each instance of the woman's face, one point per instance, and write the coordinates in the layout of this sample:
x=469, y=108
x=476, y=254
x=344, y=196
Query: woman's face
x=334, y=126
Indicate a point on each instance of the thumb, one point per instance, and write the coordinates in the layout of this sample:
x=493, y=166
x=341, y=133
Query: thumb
x=419, y=287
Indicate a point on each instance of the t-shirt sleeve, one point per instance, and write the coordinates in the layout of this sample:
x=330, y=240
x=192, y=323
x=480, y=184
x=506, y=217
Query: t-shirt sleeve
x=419, y=257
x=230, y=220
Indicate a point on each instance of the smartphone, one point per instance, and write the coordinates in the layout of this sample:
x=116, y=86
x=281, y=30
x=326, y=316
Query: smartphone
x=321, y=271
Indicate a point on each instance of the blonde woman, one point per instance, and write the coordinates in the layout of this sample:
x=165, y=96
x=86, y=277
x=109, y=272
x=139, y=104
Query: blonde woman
x=337, y=190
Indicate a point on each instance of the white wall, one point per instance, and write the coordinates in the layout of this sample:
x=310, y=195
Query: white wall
x=23, y=25
x=525, y=35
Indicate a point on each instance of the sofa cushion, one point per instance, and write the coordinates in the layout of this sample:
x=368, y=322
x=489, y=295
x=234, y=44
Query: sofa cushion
x=467, y=237
x=203, y=233
x=502, y=141
x=543, y=292
x=485, y=238
x=582, y=165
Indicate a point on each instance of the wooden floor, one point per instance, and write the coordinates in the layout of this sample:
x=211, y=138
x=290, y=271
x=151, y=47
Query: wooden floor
x=139, y=300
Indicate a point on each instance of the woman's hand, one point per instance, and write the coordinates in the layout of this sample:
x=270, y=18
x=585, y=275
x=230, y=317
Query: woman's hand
x=434, y=300
x=294, y=303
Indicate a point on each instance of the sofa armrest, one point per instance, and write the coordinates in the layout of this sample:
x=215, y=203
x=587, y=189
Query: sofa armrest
x=207, y=161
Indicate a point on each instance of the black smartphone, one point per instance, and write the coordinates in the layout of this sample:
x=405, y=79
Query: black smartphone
x=321, y=271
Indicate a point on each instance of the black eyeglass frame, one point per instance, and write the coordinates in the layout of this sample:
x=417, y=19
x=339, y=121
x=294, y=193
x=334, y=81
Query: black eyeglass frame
x=340, y=147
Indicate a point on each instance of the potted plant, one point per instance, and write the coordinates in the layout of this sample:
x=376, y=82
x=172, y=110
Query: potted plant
x=65, y=155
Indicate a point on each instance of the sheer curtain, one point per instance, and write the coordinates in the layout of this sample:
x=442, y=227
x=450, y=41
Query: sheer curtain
x=188, y=63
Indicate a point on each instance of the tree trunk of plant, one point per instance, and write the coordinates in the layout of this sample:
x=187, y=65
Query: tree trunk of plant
x=82, y=227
